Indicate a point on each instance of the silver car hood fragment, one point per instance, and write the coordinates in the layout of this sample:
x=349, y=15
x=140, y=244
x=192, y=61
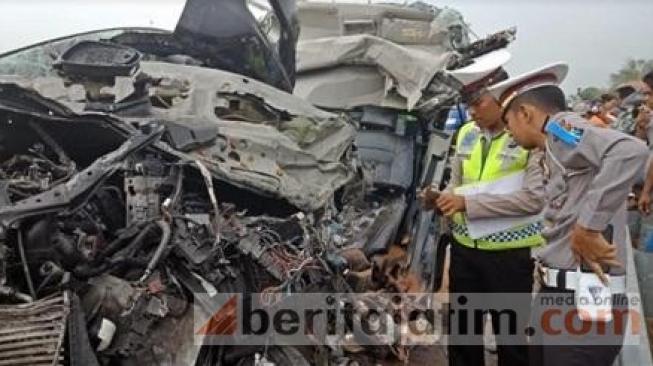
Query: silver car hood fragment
x=299, y=156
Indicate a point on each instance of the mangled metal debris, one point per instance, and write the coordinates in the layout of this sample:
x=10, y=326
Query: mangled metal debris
x=383, y=66
x=354, y=55
x=139, y=177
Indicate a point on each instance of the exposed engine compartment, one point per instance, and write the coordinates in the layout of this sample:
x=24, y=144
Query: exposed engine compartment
x=129, y=231
x=137, y=181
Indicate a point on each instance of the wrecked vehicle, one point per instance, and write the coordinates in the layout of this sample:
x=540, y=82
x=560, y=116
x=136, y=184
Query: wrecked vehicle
x=143, y=171
x=136, y=174
x=382, y=65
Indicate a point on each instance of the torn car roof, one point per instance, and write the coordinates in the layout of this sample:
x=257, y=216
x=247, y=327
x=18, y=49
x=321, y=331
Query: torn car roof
x=401, y=72
x=351, y=55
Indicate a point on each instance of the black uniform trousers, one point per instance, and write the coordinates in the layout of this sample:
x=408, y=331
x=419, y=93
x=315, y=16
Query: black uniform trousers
x=586, y=347
x=481, y=271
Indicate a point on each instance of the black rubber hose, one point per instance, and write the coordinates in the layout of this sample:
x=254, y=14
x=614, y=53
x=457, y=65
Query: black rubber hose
x=23, y=259
x=165, y=239
x=117, y=244
x=119, y=263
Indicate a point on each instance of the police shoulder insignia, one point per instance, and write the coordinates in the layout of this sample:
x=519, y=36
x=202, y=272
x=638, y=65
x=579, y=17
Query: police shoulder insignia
x=573, y=129
x=563, y=132
x=578, y=131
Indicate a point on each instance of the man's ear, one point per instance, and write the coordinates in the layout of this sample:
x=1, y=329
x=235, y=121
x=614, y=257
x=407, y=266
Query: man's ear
x=528, y=113
x=525, y=112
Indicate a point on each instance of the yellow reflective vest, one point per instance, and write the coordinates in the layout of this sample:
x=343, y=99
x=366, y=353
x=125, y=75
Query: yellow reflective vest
x=503, y=157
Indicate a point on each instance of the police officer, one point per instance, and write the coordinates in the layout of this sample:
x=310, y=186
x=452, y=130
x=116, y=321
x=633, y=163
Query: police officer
x=589, y=173
x=499, y=262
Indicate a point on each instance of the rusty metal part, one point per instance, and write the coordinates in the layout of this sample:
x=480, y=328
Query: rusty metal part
x=390, y=265
x=32, y=334
x=356, y=259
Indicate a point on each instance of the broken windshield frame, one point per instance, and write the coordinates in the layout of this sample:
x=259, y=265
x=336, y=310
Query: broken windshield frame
x=37, y=60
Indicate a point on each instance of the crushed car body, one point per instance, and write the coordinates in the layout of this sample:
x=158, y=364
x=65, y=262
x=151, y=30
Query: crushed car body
x=382, y=54
x=143, y=171
x=383, y=65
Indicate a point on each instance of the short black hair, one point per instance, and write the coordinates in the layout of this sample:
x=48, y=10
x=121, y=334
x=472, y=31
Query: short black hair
x=648, y=79
x=607, y=97
x=549, y=98
x=624, y=91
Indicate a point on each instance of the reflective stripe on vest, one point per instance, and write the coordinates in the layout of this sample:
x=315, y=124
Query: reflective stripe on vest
x=504, y=157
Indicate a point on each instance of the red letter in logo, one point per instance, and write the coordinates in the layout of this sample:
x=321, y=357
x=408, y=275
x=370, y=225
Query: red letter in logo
x=546, y=321
x=223, y=322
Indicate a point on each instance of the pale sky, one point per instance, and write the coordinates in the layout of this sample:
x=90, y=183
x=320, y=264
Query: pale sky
x=594, y=36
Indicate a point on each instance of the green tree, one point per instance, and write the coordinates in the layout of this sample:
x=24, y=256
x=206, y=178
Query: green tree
x=590, y=93
x=633, y=70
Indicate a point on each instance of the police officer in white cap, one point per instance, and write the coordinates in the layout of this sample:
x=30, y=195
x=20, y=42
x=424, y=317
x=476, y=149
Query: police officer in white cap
x=589, y=172
x=499, y=261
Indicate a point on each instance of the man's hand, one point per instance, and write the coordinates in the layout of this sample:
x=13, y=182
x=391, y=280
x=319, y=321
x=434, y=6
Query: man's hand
x=644, y=117
x=644, y=204
x=642, y=121
x=428, y=197
x=451, y=204
x=591, y=248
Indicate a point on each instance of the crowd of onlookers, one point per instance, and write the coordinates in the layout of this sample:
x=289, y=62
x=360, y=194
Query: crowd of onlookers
x=628, y=108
